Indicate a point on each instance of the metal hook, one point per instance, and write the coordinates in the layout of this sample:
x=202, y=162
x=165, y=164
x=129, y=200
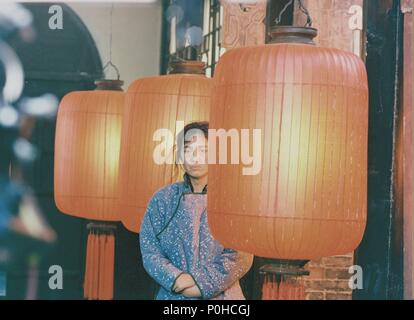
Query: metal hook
x=302, y=8
x=306, y=12
x=110, y=64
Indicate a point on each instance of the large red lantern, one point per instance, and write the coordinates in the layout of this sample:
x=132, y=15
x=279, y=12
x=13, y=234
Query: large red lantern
x=311, y=104
x=151, y=104
x=87, y=143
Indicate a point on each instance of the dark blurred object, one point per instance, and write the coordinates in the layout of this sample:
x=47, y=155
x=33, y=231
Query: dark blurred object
x=23, y=229
x=49, y=69
x=15, y=18
x=24, y=233
x=10, y=197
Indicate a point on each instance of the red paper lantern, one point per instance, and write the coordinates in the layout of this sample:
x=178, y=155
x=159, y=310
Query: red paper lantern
x=88, y=137
x=151, y=104
x=311, y=104
x=87, y=143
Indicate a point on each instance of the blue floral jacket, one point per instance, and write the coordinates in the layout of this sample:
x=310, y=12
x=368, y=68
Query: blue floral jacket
x=175, y=238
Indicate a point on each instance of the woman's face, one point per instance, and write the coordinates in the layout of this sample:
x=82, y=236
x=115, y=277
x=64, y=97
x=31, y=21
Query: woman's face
x=196, y=154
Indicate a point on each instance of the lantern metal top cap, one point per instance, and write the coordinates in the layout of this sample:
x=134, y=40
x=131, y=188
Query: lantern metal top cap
x=290, y=34
x=111, y=85
x=187, y=67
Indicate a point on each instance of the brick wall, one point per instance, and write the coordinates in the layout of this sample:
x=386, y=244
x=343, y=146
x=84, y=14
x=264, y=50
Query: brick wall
x=329, y=278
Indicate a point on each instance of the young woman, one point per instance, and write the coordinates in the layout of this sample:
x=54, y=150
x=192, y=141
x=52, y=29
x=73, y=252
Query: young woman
x=177, y=247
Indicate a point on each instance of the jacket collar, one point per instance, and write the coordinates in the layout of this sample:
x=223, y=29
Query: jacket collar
x=188, y=187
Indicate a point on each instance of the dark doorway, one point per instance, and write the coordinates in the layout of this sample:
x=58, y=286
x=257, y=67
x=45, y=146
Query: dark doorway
x=381, y=252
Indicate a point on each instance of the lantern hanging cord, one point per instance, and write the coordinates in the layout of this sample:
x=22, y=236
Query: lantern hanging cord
x=110, y=63
x=302, y=8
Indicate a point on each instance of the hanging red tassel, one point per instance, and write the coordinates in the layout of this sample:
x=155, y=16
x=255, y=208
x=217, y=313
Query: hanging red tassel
x=282, y=290
x=91, y=272
x=86, y=281
x=276, y=279
x=95, y=270
x=283, y=280
x=265, y=288
x=103, y=281
x=277, y=285
x=99, y=267
x=110, y=263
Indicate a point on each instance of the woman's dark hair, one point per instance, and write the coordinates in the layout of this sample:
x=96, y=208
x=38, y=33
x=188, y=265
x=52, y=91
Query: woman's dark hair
x=201, y=125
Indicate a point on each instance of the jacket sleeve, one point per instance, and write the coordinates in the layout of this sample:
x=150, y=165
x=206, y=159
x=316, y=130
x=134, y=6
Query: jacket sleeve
x=155, y=262
x=225, y=270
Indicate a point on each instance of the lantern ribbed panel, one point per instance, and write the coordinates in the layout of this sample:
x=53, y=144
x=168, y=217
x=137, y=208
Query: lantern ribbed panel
x=151, y=104
x=87, y=145
x=310, y=198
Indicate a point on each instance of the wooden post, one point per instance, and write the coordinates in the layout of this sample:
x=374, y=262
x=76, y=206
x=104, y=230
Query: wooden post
x=407, y=10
